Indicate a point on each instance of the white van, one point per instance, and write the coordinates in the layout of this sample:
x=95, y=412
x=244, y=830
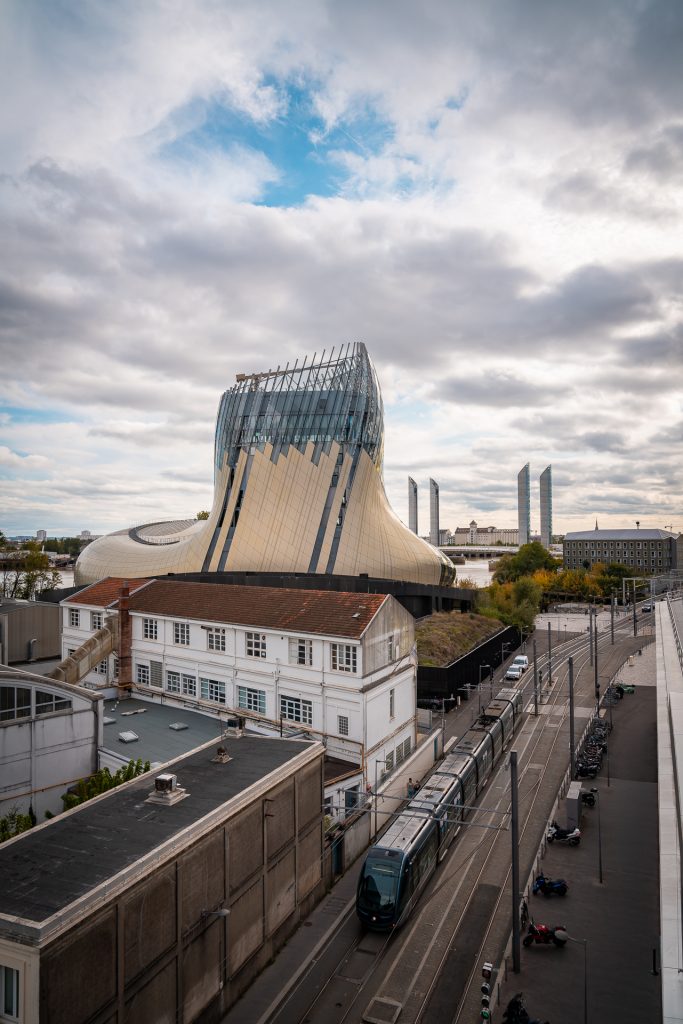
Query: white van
x=522, y=662
x=514, y=672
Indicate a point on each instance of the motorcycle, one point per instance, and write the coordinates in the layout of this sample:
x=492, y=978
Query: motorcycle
x=550, y=886
x=572, y=837
x=517, y=1013
x=587, y=798
x=543, y=935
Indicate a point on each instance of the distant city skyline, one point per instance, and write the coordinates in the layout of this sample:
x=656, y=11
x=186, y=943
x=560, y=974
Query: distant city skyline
x=189, y=198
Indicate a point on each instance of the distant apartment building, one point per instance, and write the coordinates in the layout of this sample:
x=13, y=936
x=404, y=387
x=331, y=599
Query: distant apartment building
x=482, y=535
x=650, y=552
x=412, y=504
x=41, y=536
x=546, y=482
x=433, y=512
x=331, y=665
x=524, y=505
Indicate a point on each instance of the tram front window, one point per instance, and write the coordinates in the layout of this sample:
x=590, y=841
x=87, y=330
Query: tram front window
x=378, y=885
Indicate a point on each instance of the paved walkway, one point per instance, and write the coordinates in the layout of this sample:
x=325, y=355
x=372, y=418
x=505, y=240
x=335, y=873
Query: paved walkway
x=612, y=908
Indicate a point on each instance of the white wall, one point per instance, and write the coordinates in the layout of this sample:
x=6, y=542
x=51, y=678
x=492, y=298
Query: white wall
x=46, y=754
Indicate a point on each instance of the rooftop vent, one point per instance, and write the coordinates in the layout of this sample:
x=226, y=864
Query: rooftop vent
x=128, y=736
x=178, y=726
x=222, y=756
x=234, y=726
x=166, y=790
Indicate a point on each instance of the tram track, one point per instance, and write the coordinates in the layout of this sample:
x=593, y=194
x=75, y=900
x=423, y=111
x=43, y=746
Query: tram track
x=355, y=982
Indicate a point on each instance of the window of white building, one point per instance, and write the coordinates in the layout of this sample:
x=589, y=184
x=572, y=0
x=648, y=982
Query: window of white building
x=173, y=682
x=215, y=639
x=9, y=993
x=342, y=725
x=392, y=703
x=149, y=629
x=294, y=709
x=181, y=633
x=96, y=620
x=343, y=657
x=142, y=674
x=255, y=645
x=300, y=651
x=74, y=617
x=212, y=689
x=251, y=700
x=101, y=667
x=189, y=685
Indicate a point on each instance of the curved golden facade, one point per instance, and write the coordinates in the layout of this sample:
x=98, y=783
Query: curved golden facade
x=297, y=488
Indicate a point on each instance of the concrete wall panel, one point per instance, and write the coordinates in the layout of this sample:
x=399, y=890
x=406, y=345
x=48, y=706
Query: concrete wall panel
x=156, y=1002
x=279, y=815
x=310, y=861
x=245, y=847
x=310, y=790
x=281, y=888
x=62, y=1001
x=201, y=966
x=246, y=926
x=202, y=878
x=149, y=916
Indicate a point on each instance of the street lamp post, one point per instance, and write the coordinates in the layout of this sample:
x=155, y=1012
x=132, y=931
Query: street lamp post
x=550, y=655
x=584, y=943
x=596, y=794
x=535, y=680
x=503, y=648
x=479, y=684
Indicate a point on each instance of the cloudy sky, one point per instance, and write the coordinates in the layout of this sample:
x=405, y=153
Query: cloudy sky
x=489, y=195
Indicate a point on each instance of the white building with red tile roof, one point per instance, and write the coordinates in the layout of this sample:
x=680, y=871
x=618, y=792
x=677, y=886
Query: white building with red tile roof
x=340, y=666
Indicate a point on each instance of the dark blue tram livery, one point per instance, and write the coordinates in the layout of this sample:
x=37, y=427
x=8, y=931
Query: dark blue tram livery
x=398, y=866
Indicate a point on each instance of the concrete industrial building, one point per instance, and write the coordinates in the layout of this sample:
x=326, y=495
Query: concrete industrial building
x=297, y=488
x=524, y=505
x=647, y=552
x=434, y=531
x=166, y=896
x=546, y=483
x=28, y=630
x=412, y=505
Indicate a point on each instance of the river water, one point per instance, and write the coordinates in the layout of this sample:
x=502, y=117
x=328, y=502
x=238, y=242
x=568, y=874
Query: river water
x=476, y=569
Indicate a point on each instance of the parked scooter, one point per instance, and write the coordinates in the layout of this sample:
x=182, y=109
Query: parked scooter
x=550, y=886
x=587, y=798
x=543, y=935
x=517, y=1013
x=572, y=837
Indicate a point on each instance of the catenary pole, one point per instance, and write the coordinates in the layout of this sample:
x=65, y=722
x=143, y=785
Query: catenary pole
x=514, y=835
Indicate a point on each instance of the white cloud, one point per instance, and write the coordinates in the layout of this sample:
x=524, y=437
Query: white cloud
x=501, y=238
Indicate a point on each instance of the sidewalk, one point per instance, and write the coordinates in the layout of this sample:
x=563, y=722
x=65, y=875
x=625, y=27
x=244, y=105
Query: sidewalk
x=613, y=922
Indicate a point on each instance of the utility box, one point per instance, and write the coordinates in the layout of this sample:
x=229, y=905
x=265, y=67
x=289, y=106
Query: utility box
x=573, y=803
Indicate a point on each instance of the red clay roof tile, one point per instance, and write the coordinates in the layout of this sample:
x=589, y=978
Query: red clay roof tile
x=330, y=613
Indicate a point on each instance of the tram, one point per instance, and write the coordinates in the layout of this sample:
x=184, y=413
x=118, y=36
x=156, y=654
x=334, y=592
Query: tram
x=399, y=865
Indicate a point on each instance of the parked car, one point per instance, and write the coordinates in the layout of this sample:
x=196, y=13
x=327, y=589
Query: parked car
x=514, y=672
x=646, y=608
x=522, y=661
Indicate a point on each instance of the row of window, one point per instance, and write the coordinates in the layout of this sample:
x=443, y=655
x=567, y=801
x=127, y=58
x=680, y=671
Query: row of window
x=393, y=758
x=15, y=702
x=573, y=563
x=294, y=709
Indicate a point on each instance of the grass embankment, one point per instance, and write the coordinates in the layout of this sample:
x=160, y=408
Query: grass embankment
x=445, y=636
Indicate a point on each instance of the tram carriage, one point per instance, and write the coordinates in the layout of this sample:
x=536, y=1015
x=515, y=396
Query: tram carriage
x=399, y=865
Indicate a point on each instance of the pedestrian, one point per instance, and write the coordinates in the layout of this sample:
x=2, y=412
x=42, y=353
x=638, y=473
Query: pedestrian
x=411, y=788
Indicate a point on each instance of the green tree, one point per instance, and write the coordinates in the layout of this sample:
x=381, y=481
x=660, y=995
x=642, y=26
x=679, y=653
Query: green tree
x=203, y=515
x=526, y=562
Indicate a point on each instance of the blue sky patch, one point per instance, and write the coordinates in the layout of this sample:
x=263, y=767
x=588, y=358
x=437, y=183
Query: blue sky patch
x=296, y=142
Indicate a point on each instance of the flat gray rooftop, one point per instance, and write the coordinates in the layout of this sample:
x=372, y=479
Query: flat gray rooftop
x=158, y=743
x=49, y=868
